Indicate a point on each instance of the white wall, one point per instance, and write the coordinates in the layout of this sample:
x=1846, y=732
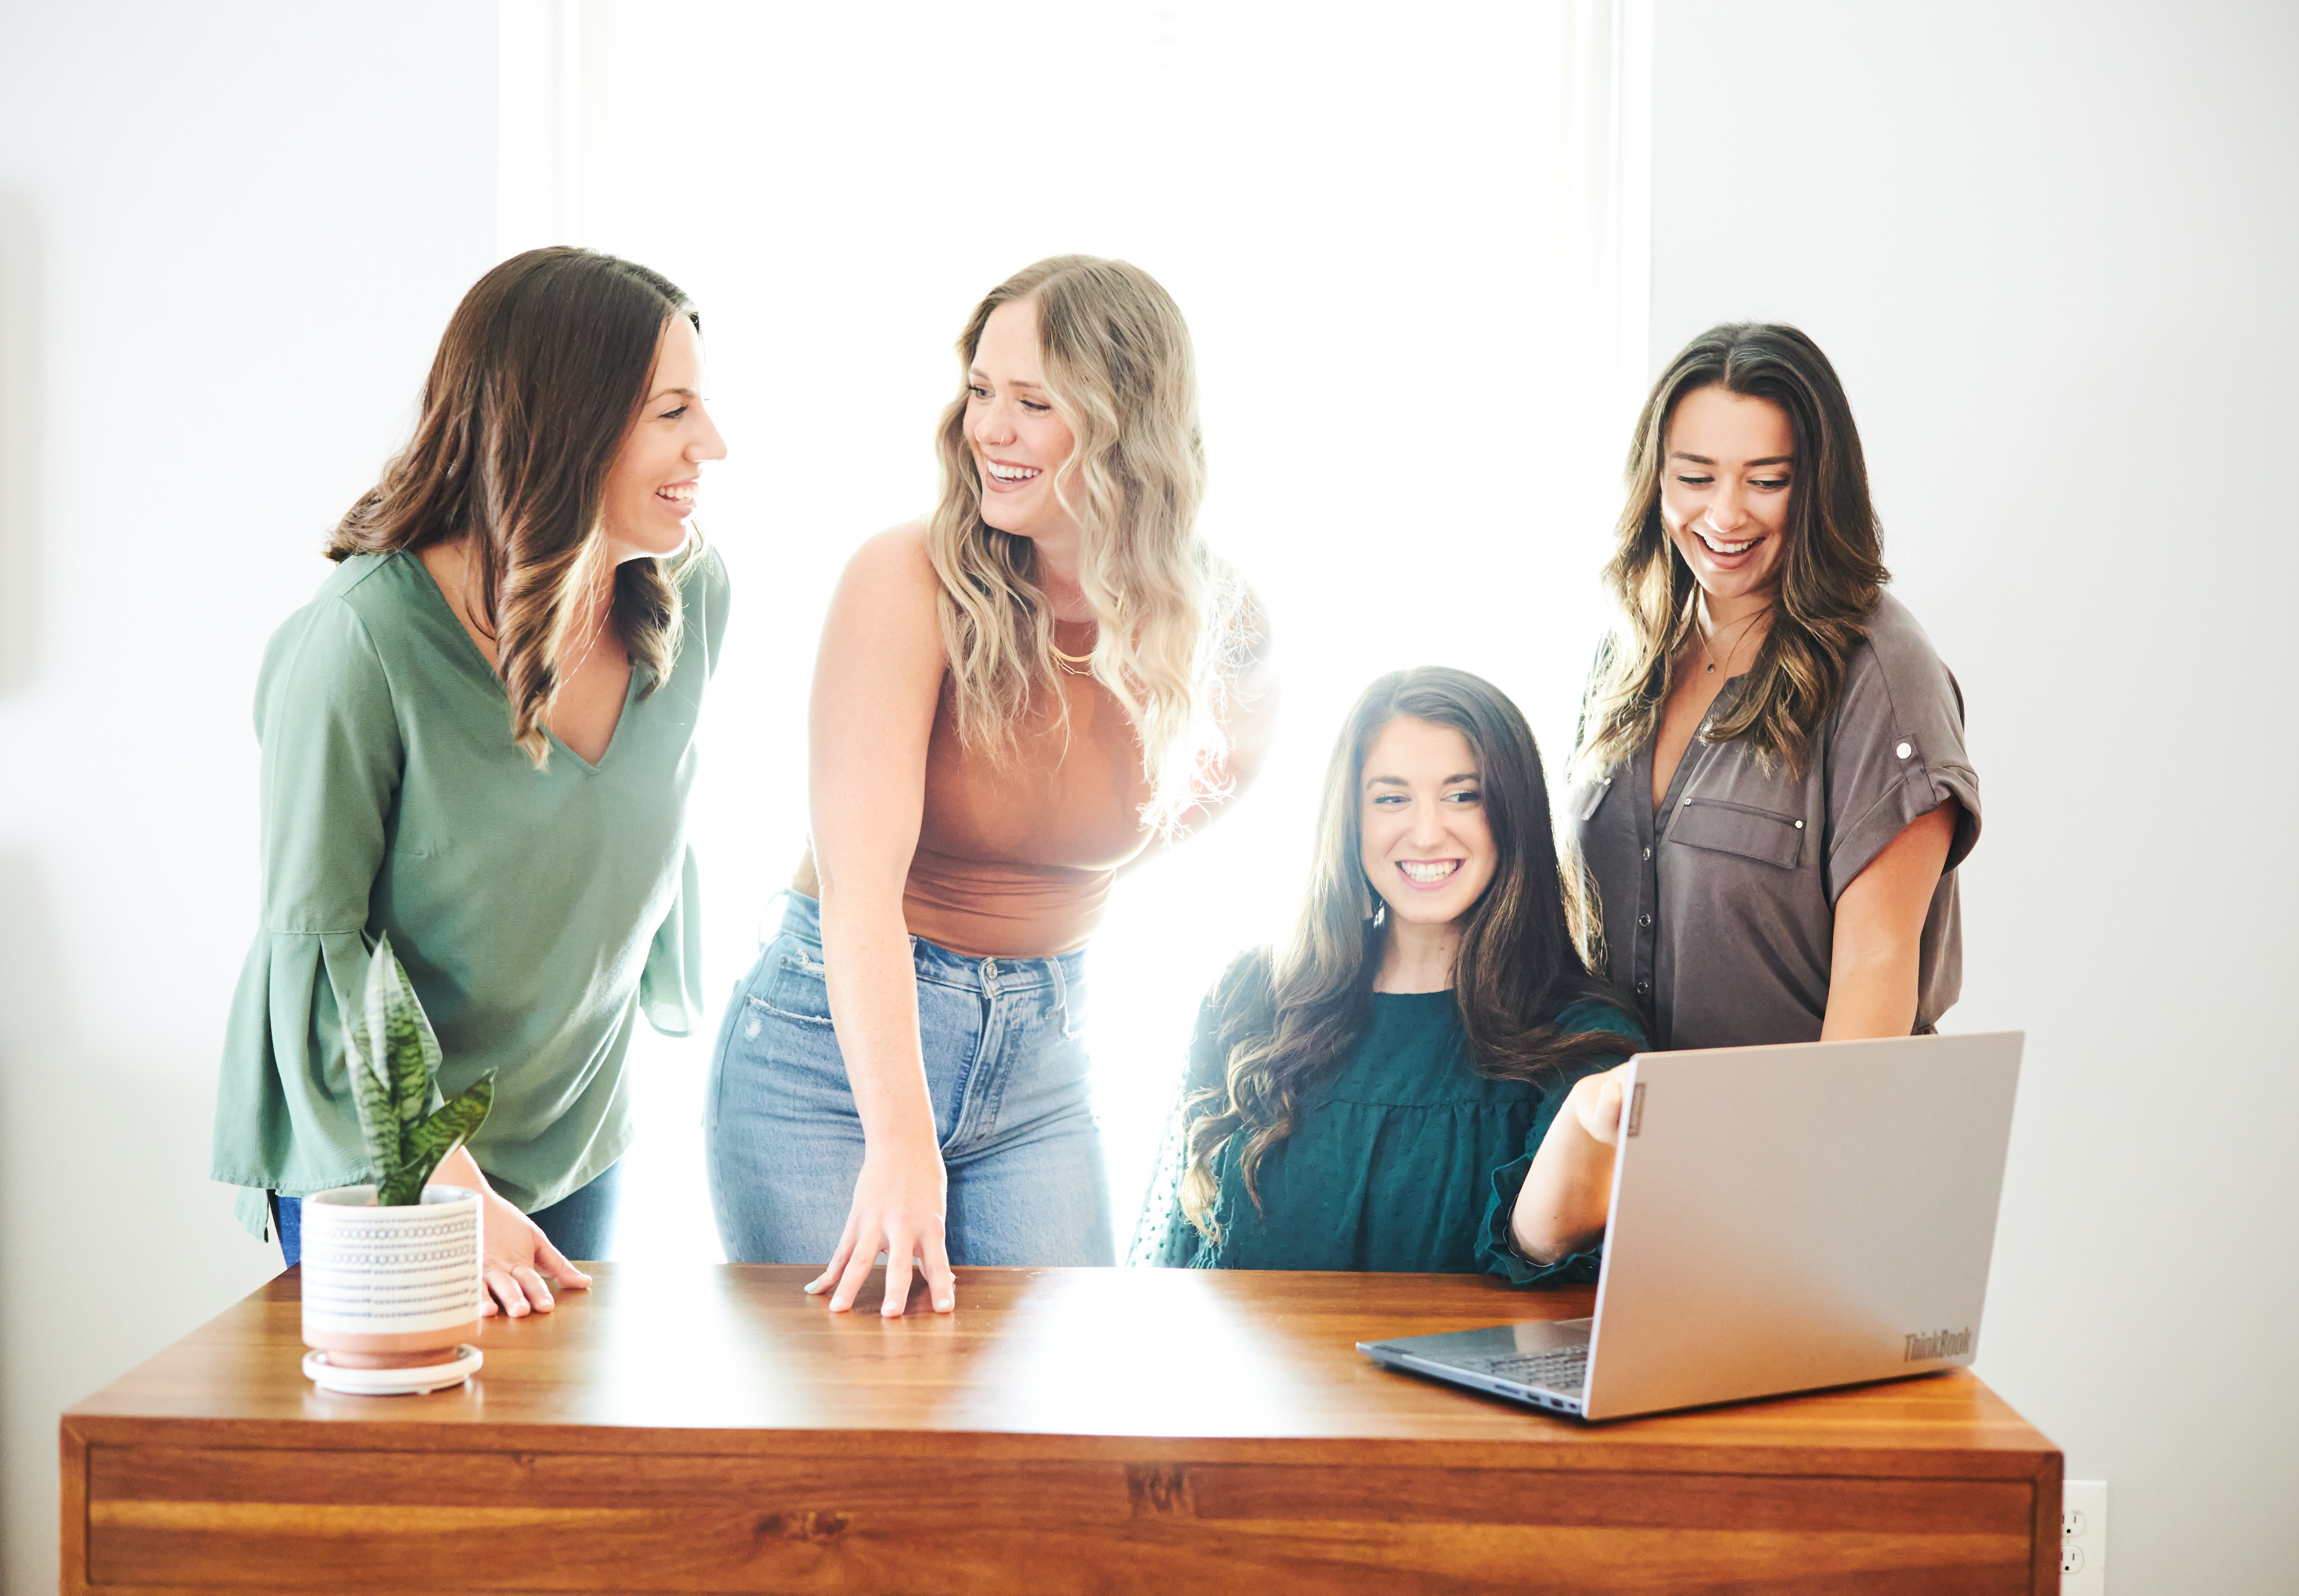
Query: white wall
x=2052, y=250
x=230, y=235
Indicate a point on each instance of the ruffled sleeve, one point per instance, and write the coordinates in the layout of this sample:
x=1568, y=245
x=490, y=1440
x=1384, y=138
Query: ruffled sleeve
x=1496, y=1252
x=670, y=986
x=332, y=758
x=1162, y=1235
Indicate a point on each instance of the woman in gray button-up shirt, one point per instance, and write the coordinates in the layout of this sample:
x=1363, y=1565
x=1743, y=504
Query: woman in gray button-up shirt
x=1771, y=792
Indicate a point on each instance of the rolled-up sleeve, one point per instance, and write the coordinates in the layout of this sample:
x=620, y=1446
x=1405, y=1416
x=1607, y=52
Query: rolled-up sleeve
x=331, y=761
x=1896, y=752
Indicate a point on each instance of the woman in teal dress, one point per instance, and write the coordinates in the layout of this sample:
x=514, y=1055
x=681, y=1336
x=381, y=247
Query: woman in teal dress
x=478, y=737
x=1422, y=1077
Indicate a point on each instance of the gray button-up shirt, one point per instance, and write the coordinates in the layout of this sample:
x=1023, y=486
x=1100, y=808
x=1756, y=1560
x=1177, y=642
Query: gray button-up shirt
x=1720, y=910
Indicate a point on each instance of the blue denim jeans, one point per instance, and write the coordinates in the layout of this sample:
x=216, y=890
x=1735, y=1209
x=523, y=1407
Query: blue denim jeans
x=1005, y=1067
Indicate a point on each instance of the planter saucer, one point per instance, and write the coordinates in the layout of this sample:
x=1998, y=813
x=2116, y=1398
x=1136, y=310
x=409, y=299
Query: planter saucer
x=393, y=1381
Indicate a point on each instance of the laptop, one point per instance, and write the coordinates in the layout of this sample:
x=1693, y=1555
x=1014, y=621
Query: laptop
x=1783, y=1218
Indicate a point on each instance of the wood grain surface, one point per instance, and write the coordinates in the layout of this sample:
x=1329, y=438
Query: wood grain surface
x=1067, y=1430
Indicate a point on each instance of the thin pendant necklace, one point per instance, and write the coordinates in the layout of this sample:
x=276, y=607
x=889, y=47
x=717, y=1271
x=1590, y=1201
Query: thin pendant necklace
x=597, y=632
x=1710, y=654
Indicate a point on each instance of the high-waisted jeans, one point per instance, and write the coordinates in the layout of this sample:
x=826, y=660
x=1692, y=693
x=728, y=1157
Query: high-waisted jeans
x=1005, y=1067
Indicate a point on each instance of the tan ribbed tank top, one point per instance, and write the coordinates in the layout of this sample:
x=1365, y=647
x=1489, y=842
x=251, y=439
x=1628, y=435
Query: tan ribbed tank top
x=1015, y=856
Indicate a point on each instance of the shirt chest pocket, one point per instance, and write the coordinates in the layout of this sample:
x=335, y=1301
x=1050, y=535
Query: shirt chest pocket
x=1741, y=829
x=1581, y=799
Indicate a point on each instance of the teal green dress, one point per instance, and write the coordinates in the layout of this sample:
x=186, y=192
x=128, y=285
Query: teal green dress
x=539, y=912
x=1404, y=1159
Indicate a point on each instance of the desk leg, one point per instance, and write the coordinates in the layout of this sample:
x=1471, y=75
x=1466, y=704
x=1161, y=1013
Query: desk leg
x=2049, y=1485
x=71, y=1476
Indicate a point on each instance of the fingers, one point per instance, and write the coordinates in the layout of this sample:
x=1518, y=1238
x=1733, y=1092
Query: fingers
x=857, y=1269
x=941, y=1284
x=538, y=1294
x=1602, y=1119
x=899, y=1249
x=837, y=1265
x=508, y=1293
x=550, y=1261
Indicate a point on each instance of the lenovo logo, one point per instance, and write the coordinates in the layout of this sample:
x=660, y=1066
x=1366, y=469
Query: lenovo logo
x=1939, y=1343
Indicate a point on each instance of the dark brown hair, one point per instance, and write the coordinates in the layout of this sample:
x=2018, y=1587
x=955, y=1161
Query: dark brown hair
x=540, y=376
x=1298, y=1007
x=1831, y=563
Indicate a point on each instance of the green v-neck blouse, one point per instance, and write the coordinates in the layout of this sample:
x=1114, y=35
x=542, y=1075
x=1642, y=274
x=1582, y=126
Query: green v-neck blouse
x=1404, y=1159
x=538, y=913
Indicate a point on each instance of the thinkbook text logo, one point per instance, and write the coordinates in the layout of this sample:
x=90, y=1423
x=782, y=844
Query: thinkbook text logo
x=1938, y=1343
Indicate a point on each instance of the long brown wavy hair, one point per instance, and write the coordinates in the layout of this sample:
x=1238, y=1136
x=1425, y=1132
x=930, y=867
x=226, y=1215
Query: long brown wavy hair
x=1831, y=562
x=1292, y=1011
x=540, y=376
x=1174, y=623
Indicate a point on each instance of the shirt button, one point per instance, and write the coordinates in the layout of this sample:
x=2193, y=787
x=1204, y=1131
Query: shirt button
x=1644, y=988
x=1644, y=920
x=1648, y=853
x=1904, y=750
x=1799, y=825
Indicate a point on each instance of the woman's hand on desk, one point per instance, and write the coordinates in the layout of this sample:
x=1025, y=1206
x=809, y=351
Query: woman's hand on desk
x=900, y=1202
x=518, y=1255
x=1567, y=1193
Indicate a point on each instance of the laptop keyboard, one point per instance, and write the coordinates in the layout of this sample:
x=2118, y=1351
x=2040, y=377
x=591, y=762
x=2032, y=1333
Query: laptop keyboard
x=1565, y=1370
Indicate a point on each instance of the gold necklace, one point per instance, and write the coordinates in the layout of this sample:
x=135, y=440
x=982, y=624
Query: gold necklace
x=596, y=633
x=1073, y=661
x=1710, y=654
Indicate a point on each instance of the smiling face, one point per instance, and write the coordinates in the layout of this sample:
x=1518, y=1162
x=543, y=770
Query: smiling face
x=651, y=488
x=1726, y=477
x=1426, y=846
x=1019, y=444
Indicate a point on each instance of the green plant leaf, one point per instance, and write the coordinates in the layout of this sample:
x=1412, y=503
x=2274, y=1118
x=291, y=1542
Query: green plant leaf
x=411, y=1046
x=431, y=1141
x=378, y=1116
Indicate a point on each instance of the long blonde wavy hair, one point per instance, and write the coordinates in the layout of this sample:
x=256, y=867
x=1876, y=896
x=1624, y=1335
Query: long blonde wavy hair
x=1172, y=618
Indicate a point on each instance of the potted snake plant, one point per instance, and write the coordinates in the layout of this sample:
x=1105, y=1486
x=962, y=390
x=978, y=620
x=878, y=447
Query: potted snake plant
x=391, y=1270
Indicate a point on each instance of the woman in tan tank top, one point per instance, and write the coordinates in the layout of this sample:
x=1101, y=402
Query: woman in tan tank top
x=1014, y=699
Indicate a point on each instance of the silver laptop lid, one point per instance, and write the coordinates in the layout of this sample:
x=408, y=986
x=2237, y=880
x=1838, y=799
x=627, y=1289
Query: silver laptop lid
x=1793, y=1217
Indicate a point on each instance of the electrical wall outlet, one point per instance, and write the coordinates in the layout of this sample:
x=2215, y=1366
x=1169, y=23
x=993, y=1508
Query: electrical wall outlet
x=2083, y=1538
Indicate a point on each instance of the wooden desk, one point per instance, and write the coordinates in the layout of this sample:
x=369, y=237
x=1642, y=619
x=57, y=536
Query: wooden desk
x=1067, y=1430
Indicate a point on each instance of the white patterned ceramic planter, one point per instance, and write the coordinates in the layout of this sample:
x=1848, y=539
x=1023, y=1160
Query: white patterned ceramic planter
x=391, y=1287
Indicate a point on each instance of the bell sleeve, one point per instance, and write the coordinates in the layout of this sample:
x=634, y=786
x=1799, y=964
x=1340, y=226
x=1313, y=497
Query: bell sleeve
x=671, y=984
x=331, y=760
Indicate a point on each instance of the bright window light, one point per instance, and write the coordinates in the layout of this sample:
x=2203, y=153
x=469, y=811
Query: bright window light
x=1407, y=243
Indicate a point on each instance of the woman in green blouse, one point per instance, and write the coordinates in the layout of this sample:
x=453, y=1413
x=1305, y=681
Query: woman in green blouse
x=1421, y=1078
x=478, y=737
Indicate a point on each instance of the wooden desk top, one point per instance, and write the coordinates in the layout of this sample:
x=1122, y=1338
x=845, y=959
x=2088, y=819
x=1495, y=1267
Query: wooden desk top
x=1035, y=1363
x=1081, y=1431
